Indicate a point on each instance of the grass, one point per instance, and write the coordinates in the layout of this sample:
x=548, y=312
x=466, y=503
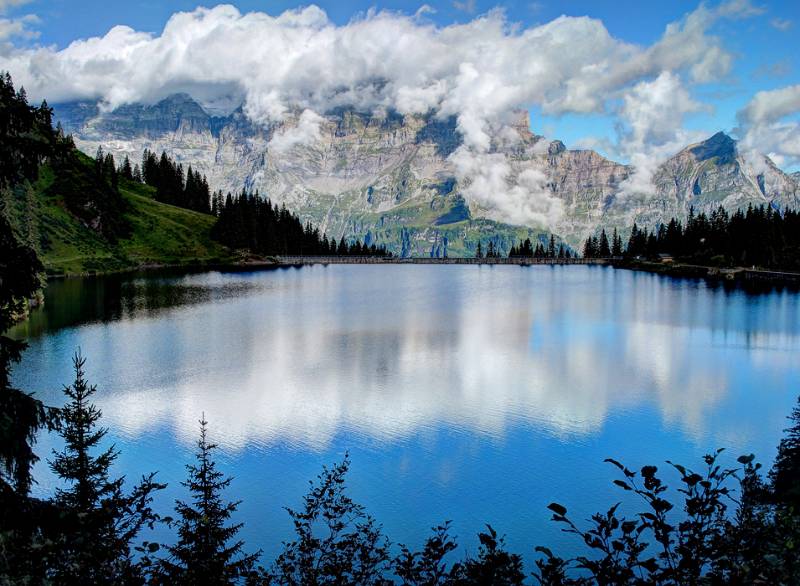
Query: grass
x=161, y=234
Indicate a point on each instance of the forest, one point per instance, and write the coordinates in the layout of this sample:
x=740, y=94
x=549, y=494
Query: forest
x=251, y=222
x=759, y=236
x=527, y=250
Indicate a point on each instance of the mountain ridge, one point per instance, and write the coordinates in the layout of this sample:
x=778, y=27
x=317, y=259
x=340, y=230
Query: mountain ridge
x=391, y=178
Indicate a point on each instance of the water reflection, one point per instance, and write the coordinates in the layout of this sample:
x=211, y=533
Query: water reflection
x=301, y=356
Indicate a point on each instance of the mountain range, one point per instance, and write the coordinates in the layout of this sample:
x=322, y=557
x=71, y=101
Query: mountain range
x=391, y=178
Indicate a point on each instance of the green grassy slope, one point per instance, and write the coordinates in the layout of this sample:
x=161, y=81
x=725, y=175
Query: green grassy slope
x=160, y=233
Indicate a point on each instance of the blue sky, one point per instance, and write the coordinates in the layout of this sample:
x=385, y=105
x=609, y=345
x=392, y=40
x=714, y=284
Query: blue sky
x=764, y=45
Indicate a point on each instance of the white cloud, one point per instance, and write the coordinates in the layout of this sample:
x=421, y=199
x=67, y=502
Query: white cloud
x=768, y=106
x=384, y=59
x=652, y=130
x=478, y=71
x=781, y=24
x=5, y=5
x=305, y=131
x=764, y=126
x=424, y=9
x=507, y=194
x=467, y=6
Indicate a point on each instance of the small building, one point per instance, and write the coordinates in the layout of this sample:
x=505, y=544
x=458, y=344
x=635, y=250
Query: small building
x=665, y=258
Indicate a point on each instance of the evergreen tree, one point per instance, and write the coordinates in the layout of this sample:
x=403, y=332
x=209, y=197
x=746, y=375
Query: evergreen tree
x=616, y=244
x=603, y=249
x=206, y=552
x=479, y=252
x=125, y=169
x=251, y=222
x=785, y=473
x=21, y=416
x=591, y=247
x=100, y=519
x=551, y=247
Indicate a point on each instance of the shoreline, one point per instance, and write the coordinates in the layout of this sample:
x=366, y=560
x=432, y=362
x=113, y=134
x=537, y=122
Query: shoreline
x=739, y=275
x=675, y=269
x=288, y=261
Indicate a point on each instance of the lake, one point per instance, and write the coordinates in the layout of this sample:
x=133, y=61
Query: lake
x=477, y=394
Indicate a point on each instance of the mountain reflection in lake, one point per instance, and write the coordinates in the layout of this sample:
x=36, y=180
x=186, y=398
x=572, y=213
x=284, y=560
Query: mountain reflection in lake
x=478, y=394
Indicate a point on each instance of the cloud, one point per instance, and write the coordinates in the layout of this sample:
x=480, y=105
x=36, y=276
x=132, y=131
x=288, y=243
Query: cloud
x=16, y=28
x=769, y=106
x=467, y=6
x=305, y=131
x=507, y=194
x=478, y=71
x=764, y=126
x=780, y=68
x=424, y=9
x=652, y=116
x=781, y=24
x=5, y=5
x=299, y=58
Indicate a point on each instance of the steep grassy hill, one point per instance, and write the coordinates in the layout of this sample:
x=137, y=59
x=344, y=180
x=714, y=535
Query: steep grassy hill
x=156, y=233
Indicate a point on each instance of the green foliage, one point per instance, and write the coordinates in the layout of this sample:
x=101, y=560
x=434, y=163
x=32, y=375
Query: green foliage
x=760, y=236
x=785, y=473
x=494, y=565
x=91, y=194
x=167, y=178
x=336, y=541
x=527, y=250
x=99, y=521
x=427, y=567
x=205, y=552
x=21, y=418
x=705, y=544
x=26, y=135
x=253, y=223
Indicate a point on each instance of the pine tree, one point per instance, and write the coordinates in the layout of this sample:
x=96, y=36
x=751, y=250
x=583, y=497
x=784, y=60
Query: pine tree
x=603, y=249
x=785, y=473
x=21, y=415
x=100, y=519
x=616, y=244
x=551, y=247
x=125, y=169
x=479, y=252
x=590, y=248
x=205, y=552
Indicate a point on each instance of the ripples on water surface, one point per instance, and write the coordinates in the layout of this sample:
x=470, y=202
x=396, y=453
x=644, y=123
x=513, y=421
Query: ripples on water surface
x=478, y=394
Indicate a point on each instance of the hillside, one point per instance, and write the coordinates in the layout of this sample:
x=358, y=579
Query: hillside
x=156, y=233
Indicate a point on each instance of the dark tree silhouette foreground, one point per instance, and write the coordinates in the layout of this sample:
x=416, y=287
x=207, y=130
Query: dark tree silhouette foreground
x=207, y=551
x=100, y=521
x=336, y=541
x=785, y=473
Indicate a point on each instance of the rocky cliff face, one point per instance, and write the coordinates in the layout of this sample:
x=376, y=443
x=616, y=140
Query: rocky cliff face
x=391, y=178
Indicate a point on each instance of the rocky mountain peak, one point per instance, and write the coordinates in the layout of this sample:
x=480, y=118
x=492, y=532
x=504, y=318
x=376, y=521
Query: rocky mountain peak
x=522, y=123
x=720, y=146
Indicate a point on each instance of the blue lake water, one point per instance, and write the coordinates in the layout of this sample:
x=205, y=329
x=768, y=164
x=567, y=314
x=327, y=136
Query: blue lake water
x=472, y=393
